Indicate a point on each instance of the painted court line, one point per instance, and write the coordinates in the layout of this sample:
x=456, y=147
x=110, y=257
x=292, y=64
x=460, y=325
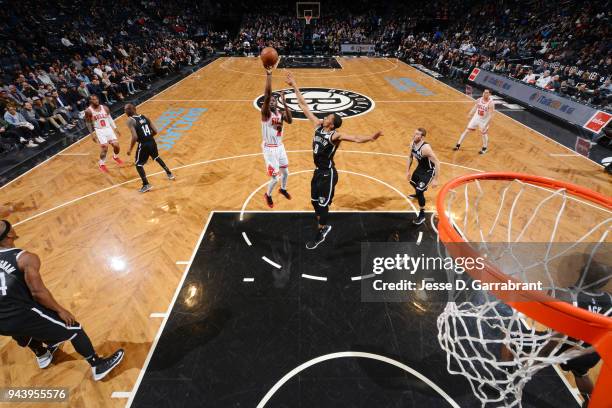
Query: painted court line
x=274, y=264
x=182, y=262
x=419, y=238
x=355, y=354
x=246, y=239
x=121, y=394
x=248, y=280
x=356, y=278
x=314, y=277
x=162, y=315
x=564, y=155
x=163, y=325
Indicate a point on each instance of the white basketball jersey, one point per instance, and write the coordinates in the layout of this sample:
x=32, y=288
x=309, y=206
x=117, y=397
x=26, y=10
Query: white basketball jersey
x=483, y=108
x=100, y=118
x=272, y=129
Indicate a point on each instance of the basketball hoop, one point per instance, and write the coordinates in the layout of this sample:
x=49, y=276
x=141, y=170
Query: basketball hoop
x=464, y=328
x=307, y=19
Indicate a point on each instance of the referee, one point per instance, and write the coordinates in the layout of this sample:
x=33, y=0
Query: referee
x=31, y=316
x=144, y=131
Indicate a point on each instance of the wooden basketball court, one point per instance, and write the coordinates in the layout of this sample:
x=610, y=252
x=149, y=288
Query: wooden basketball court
x=115, y=257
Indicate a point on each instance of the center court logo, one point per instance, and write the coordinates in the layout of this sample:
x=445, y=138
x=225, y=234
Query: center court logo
x=323, y=101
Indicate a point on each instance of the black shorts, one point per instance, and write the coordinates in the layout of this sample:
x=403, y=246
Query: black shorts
x=144, y=151
x=421, y=179
x=323, y=186
x=38, y=323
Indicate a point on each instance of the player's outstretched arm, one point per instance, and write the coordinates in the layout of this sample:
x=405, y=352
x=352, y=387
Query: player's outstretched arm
x=301, y=101
x=357, y=138
x=265, y=109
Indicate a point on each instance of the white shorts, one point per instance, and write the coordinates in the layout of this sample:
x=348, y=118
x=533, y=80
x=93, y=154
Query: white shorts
x=276, y=158
x=106, y=135
x=478, y=122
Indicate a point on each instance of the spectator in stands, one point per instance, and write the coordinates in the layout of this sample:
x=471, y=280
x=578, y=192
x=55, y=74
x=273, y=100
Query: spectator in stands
x=96, y=88
x=41, y=125
x=544, y=80
x=45, y=111
x=51, y=101
x=530, y=77
x=21, y=126
x=16, y=95
x=83, y=91
x=11, y=137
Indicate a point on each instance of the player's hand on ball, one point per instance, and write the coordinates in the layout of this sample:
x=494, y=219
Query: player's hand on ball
x=67, y=317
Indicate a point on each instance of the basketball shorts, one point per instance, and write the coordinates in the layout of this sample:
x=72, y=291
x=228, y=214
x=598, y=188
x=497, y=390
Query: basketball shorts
x=420, y=180
x=144, y=151
x=106, y=135
x=323, y=186
x=38, y=323
x=478, y=122
x=276, y=158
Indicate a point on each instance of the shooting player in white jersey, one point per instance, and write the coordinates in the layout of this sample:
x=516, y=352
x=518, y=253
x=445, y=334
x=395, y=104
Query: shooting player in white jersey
x=481, y=115
x=272, y=119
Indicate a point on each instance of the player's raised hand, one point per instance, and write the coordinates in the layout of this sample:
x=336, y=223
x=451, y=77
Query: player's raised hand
x=290, y=79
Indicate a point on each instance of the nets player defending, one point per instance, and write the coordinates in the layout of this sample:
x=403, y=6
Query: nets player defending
x=274, y=153
x=100, y=122
x=426, y=172
x=30, y=314
x=144, y=131
x=324, y=145
x=481, y=115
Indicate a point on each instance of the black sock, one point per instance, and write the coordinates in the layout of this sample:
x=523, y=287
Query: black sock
x=83, y=346
x=163, y=165
x=37, y=347
x=93, y=360
x=142, y=175
x=422, y=213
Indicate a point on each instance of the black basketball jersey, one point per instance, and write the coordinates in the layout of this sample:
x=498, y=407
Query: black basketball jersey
x=600, y=302
x=143, y=128
x=14, y=292
x=323, y=148
x=424, y=163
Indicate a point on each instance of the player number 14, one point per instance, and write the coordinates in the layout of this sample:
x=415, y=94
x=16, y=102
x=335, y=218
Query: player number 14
x=2, y=284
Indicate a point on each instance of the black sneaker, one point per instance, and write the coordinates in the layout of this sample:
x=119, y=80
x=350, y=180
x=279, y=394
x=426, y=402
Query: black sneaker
x=145, y=188
x=269, y=201
x=457, y=146
x=483, y=150
x=285, y=193
x=319, y=238
x=106, y=365
x=420, y=219
x=170, y=176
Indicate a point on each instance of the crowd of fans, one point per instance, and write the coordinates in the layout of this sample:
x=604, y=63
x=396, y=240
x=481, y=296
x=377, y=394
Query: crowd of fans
x=112, y=51
x=562, y=47
x=54, y=55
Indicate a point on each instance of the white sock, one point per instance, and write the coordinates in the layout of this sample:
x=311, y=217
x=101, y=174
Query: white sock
x=272, y=184
x=284, y=177
x=485, y=140
x=463, y=135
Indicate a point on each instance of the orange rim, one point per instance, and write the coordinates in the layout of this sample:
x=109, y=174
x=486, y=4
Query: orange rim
x=563, y=317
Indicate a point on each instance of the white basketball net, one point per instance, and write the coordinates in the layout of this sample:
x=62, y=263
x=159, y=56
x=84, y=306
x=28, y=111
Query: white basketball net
x=474, y=332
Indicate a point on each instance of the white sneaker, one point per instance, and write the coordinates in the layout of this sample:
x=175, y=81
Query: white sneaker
x=45, y=360
x=22, y=140
x=31, y=144
x=40, y=140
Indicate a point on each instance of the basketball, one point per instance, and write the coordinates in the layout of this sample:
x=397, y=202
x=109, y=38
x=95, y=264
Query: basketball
x=269, y=57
